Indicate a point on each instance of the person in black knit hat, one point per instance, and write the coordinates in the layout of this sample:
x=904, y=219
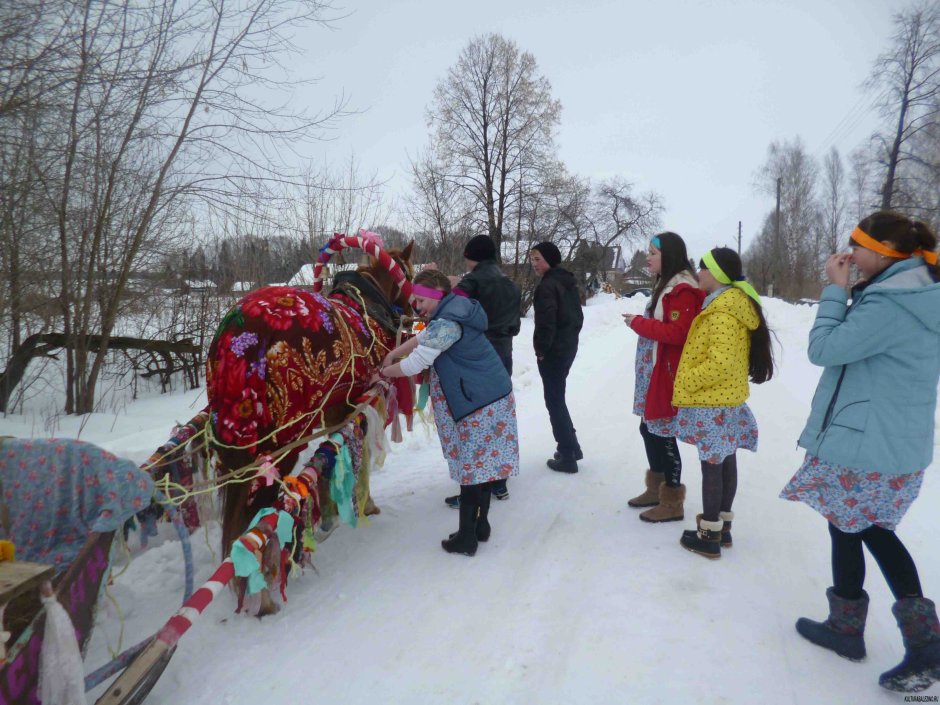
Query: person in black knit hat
x=558, y=320
x=501, y=301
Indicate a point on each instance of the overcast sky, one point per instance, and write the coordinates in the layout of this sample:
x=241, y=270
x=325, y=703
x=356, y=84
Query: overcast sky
x=679, y=97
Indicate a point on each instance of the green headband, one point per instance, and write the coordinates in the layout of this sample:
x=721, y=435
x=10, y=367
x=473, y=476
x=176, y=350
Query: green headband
x=718, y=273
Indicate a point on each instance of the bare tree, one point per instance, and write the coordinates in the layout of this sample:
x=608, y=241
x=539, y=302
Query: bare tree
x=923, y=172
x=154, y=108
x=795, y=243
x=907, y=78
x=833, y=205
x=34, y=36
x=861, y=178
x=493, y=120
x=332, y=201
x=440, y=211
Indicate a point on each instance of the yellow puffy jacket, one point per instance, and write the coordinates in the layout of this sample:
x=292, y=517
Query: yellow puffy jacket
x=713, y=370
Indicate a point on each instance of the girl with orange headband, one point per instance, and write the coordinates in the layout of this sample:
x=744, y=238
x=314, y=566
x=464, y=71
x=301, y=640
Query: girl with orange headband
x=728, y=343
x=870, y=434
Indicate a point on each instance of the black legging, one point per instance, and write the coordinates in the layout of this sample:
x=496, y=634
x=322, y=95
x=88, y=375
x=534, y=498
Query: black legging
x=719, y=485
x=848, y=562
x=662, y=453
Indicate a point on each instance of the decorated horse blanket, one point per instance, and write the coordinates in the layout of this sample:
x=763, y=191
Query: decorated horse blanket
x=282, y=359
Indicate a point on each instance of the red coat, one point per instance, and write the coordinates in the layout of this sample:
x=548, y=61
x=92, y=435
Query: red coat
x=680, y=307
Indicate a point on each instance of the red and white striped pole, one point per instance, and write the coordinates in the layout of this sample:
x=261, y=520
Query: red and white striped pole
x=143, y=670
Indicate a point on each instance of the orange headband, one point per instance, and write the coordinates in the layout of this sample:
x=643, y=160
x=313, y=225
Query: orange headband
x=870, y=243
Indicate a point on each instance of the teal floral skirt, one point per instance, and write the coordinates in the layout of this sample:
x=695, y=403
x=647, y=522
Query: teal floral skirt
x=850, y=498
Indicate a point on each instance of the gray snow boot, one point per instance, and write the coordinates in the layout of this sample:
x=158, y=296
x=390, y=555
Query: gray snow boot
x=844, y=630
x=920, y=630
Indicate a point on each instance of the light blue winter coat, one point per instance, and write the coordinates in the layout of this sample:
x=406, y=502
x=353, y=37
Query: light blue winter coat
x=875, y=402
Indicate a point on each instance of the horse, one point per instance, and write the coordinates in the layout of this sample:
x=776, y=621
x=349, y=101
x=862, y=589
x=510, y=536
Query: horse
x=287, y=362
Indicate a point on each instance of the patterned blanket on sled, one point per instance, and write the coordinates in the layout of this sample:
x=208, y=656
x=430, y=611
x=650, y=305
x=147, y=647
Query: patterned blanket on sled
x=57, y=491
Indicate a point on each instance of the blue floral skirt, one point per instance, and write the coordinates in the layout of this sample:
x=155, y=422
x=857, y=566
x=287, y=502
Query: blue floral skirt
x=850, y=498
x=717, y=431
x=481, y=447
x=643, y=372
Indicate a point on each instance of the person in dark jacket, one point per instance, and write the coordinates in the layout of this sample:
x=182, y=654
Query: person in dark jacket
x=502, y=302
x=498, y=295
x=558, y=320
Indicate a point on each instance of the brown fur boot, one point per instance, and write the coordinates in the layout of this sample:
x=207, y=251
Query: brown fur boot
x=670, y=507
x=649, y=498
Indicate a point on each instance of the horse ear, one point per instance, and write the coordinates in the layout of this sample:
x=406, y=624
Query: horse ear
x=406, y=253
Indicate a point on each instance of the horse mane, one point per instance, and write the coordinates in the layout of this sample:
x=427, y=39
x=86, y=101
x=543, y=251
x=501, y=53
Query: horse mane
x=384, y=281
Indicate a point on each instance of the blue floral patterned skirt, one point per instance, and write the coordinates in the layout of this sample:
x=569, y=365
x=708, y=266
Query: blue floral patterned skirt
x=717, y=431
x=850, y=498
x=643, y=372
x=480, y=447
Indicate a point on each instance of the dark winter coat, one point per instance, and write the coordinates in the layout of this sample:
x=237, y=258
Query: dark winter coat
x=499, y=296
x=681, y=303
x=470, y=371
x=558, y=316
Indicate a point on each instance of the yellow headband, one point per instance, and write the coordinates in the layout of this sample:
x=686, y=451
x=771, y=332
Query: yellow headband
x=722, y=278
x=865, y=240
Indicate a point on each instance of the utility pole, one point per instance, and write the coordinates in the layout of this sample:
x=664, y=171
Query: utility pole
x=739, y=238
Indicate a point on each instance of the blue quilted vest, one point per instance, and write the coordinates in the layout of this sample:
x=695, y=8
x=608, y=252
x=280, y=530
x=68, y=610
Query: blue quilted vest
x=471, y=373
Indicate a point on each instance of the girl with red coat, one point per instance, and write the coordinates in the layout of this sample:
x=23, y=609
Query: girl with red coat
x=662, y=330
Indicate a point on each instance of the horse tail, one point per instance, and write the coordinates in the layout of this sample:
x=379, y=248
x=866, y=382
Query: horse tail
x=242, y=499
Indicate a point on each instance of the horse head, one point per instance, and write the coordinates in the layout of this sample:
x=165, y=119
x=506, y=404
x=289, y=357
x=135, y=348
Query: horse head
x=386, y=282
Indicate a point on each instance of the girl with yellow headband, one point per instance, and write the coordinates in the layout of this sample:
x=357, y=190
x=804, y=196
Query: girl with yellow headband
x=728, y=343
x=870, y=434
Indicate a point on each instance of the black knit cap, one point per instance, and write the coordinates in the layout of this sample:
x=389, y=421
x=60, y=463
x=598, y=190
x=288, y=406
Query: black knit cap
x=549, y=253
x=480, y=248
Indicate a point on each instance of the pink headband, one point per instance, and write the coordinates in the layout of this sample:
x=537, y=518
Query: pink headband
x=426, y=292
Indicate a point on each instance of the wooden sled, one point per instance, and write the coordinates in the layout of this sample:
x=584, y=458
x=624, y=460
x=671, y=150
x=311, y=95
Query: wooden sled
x=77, y=588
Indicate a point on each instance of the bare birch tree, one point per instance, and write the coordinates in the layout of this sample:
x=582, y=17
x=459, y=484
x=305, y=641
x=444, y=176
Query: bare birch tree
x=793, y=247
x=907, y=79
x=833, y=205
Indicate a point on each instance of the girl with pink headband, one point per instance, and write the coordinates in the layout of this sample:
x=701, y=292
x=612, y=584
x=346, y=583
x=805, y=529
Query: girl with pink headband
x=471, y=392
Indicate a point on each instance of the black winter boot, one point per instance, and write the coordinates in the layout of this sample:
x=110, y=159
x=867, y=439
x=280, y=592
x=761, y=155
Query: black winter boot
x=483, y=525
x=465, y=541
x=726, y=518
x=920, y=630
x=564, y=463
x=844, y=630
x=705, y=541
